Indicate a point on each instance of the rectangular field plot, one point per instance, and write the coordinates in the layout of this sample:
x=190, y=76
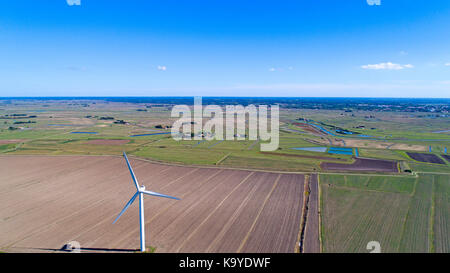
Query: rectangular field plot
x=351, y=218
x=404, y=214
x=398, y=184
x=427, y=158
x=362, y=165
x=48, y=201
x=417, y=231
x=447, y=157
x=441, y=224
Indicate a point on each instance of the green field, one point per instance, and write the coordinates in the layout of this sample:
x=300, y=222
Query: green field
x=403, y=214
x=54, y=121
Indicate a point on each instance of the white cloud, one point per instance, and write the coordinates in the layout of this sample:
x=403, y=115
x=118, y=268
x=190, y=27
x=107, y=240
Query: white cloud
x=387, y=66
x=162, y=67
x=447, y=64
x=73, y=2
x=273, y=69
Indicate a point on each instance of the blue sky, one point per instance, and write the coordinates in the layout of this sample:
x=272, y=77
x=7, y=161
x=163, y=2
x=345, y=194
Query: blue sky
x=225, y=48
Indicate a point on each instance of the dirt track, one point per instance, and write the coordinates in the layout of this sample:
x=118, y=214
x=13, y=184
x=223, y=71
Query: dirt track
x=311, y=243
x=47, y=201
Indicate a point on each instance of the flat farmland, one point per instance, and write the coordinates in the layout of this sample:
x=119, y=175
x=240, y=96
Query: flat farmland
x=311, y=240
x=47, y=201
x=427, y=158
x=352, y=216
x=447, y=157
x=404, y=214
x=441, y=223
x=417, y=230
x=363, y=165
x=107, y=141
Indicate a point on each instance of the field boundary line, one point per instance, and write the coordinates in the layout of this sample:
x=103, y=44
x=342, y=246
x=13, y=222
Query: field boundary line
x=259, y=213
x=431, y=238
x=434, y=173
x=319, y=210
x=212, y=212
x=299, y=244
x=222, y=159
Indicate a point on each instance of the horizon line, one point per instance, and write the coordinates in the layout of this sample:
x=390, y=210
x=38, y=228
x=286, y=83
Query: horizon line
x=286, y=97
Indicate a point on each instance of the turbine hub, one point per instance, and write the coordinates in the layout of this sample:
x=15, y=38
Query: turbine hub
x=142, y=188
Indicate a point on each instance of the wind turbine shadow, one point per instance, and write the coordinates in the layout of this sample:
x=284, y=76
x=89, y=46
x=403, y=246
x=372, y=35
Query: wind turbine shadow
x=89, y=249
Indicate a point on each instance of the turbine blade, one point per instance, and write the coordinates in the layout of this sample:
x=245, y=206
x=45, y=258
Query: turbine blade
x=131, y=171
x=159, y=195
x=127, y=205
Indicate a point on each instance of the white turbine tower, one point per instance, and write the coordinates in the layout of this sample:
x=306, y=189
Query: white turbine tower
x=140, y=191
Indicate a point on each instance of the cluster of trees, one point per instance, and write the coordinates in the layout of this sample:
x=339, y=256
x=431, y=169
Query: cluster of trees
x=24, y=122
x=17, y=116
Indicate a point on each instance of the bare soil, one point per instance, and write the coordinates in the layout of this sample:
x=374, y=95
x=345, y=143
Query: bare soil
x=427, y=158
x=9, y=141
x=363, y=164
x=48, y=201
x=447, y=157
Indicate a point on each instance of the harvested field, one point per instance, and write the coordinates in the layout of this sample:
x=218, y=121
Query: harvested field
x=311, y=243
x=364, y=165
x=107, y=141
x=48, y=201
x=427, y=158
x=278, y=220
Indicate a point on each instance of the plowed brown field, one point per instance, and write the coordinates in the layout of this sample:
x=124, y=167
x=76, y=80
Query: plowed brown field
x=48, y=201
x=363, y=165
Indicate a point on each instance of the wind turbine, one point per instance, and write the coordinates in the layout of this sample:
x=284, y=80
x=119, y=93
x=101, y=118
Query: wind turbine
x=140, y=191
